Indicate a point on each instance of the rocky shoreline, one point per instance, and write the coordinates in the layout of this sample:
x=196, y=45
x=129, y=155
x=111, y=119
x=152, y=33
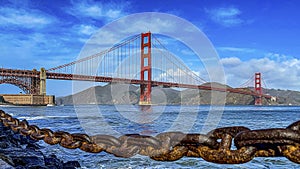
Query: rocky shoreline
x=17, y=151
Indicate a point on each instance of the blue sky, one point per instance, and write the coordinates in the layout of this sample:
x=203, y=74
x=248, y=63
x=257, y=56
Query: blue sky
x=249, y=36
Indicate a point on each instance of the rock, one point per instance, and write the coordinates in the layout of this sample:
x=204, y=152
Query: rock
x=53, y=162
x=29, y=157
x=4, y=165
x=71, y=164
x=23, y=152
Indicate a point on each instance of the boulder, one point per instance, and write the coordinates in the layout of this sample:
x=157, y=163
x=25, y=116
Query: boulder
x=23, y=152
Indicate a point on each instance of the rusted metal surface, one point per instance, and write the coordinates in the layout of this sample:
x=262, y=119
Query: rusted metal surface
x=214, y=146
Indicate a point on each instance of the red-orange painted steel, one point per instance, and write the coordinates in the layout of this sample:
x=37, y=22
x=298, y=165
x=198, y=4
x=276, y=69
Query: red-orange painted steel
x=258, y=88
x=62, y=76
x=146, y=66
x=27, y=80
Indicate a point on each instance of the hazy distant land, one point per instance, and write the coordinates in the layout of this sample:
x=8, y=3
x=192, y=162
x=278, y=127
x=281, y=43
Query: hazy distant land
x=129, y=94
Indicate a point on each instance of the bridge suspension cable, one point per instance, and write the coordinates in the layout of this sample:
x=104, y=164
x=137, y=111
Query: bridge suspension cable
x=264, y=84
x=123, y=61
x=105, y=60
x=173, y=66
x=248, y=83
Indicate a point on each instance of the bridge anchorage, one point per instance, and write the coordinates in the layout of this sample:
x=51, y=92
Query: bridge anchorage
x=140, y=60
x=31, y=82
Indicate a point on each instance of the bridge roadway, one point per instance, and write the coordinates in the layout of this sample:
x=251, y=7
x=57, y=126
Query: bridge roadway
x=63, y=76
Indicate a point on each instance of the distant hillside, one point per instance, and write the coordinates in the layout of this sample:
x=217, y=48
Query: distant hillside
x=129, y=94
x=286, y=97
x=109, y=94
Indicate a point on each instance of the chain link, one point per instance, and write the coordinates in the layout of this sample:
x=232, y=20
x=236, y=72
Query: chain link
x=214, y=146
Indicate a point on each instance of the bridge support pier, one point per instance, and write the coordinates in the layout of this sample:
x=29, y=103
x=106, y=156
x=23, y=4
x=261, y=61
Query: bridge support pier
x=146, y=73
x=258, y=89
x=43, y=78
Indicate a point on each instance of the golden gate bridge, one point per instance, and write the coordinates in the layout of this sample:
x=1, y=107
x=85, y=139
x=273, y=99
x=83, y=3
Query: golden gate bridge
x=141, y=60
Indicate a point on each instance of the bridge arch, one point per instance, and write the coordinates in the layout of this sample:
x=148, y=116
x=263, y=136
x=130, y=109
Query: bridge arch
x=20, y=84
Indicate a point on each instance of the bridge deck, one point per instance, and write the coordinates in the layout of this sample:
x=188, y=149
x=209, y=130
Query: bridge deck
x=63, y=76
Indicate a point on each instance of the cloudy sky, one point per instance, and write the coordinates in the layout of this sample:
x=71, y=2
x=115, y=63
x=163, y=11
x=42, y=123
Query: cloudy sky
x=249, y=36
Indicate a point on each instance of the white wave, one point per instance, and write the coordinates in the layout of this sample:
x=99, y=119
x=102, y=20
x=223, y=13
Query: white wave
x=42, y=117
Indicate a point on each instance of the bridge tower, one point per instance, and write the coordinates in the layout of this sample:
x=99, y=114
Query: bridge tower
x=258, y=88
x=146, y=73
x=43, y=78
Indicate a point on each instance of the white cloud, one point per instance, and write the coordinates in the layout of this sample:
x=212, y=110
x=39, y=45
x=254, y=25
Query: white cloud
x=282, y=74
x=228, y=17
x=187, y=52
x=235, y=49
x=34, y=50
x=231, y=61
x=178, y=76
x=115, y=33
x=106, y=11
x=24, y=18
x=278, y=57
x=85, y=29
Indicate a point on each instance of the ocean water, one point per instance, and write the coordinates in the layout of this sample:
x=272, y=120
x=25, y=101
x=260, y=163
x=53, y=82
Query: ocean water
x=128, y=119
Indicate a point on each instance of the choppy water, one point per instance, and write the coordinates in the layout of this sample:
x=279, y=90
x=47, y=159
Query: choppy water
x=124, y=119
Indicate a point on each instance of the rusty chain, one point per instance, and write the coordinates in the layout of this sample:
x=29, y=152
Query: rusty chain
x=214, y=146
